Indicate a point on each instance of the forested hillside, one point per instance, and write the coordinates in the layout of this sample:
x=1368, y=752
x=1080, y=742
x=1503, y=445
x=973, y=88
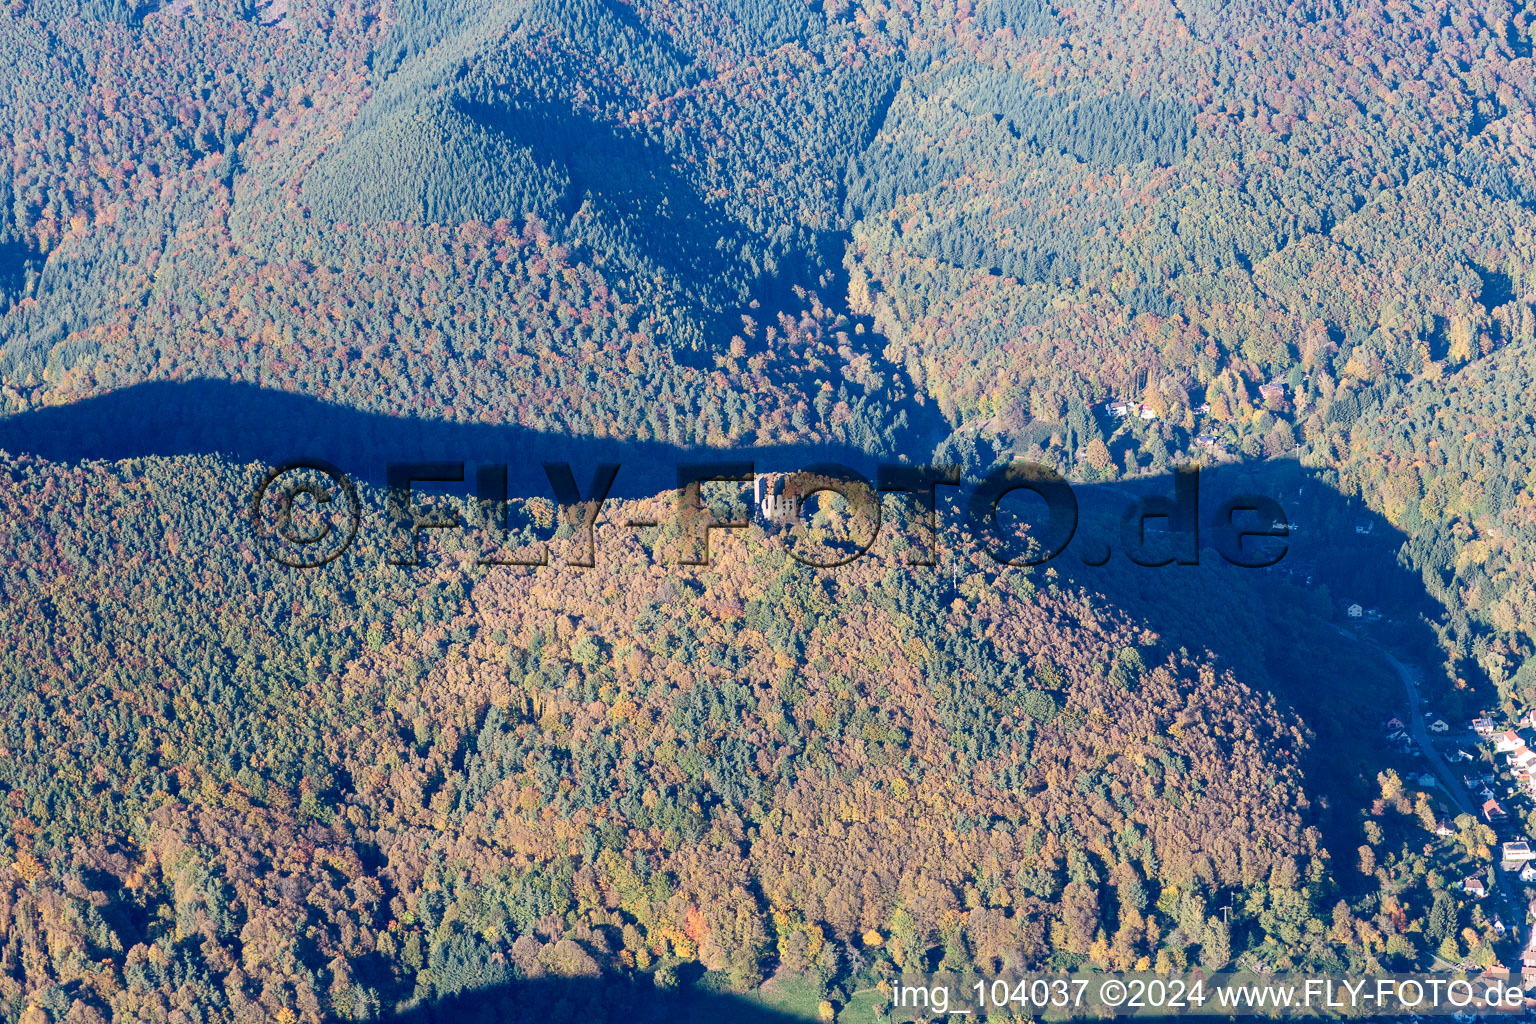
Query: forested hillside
x=340, y=791
x=1292, y=241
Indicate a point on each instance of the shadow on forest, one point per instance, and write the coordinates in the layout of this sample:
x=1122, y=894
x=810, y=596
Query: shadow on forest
x=1281, y=629
x=1339, y=554
x=593, y=1001
x=1276, y=629
x=248, y=423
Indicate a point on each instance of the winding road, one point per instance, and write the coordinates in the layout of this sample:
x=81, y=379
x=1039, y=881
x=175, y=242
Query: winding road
x=1455, y=790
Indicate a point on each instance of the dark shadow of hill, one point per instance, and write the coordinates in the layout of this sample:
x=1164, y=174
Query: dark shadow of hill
x=645, y=208
x=647, y=205
x=592, y=1001
x=1277, y=629
x=1337, y=550
x=15, y=260
x=1341, y=553
x=253, y=424
x=1282, y=629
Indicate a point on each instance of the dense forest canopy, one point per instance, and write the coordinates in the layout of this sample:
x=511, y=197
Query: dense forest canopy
x=1292, y=241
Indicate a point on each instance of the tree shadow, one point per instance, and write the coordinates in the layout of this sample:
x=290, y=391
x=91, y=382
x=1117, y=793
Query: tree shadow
x=594, y=1000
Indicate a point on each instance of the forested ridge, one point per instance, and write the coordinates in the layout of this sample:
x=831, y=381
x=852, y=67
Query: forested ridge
x=338, y=792
x=1290, y=240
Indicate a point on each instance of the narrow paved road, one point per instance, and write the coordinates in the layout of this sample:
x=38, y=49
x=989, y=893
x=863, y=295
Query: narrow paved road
x=1455, y=790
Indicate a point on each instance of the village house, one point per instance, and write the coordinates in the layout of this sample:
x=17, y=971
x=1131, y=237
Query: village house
x=1492, y=811
x=1507, y=741
x=1483, y=727
x=1528, y=956
x=1439, y=725
x=1516, y=852
x=1355, y=611
x=1474, y=887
